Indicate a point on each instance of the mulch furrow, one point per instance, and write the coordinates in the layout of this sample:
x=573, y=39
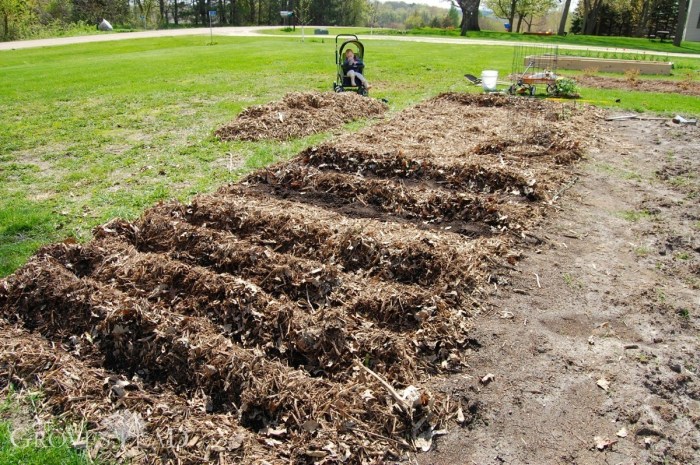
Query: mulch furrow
x=297, y=316
x=379, y=198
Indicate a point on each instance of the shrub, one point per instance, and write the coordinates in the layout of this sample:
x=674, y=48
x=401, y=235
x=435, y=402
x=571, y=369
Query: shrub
x=566, y=86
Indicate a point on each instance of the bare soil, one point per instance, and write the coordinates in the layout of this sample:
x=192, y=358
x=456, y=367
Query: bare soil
x=684, y=87
x=592, y=339
x=453, y=279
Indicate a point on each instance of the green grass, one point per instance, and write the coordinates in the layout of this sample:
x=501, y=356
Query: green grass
x=642, y=251
x=25, y=442
x=634, y=216
x=95, y=131
x=618, y=172
x=634, y=43
x=52, y=449
x=572, y=281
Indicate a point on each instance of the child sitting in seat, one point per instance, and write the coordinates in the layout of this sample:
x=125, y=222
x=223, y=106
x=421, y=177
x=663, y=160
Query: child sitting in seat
x=352, y=66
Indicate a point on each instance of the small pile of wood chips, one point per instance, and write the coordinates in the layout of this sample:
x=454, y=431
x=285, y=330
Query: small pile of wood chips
x=300, y=114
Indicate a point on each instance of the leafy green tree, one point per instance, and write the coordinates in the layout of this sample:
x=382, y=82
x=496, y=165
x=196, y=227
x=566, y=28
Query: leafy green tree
x=414, y=21
x=14, y=15
x=523, y=10
x=351, y=12
x=453, y=17
x=92, y=11
x=529, y=9
x=146, y=10
x=372, y=14
x=591, y=11
x=628, y=17
x=505, y=9
x=49, y=11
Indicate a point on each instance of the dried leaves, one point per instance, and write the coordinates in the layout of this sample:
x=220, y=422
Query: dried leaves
x=300, y=114
x=294, y=317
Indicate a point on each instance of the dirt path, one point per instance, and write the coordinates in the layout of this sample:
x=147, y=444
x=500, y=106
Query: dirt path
x=112, y=36
x=595, y=333
x=252, y=31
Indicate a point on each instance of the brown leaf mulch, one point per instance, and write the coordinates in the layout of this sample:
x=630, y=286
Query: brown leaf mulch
x=297, y=316
x=300, y=114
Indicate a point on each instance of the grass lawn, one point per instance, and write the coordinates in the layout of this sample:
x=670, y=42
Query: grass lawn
x=51, y=450
x=636, y=43
x=95, y=131
x=26, y=442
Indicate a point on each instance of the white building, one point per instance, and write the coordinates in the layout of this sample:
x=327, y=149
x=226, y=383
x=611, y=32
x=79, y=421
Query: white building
x=692, y=22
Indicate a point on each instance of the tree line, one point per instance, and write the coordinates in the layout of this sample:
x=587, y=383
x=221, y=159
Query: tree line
x=635, y=18
x=23, y=18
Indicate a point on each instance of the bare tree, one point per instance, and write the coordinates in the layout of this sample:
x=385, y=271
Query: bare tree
x=303, y=14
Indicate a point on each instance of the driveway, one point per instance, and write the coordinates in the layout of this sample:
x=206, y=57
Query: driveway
x=251, y=31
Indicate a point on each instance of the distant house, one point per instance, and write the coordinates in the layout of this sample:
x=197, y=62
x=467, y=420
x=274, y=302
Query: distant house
x=692, y=25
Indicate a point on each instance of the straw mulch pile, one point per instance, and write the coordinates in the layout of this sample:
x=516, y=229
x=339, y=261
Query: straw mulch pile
x=300, y=114
x=297, y=316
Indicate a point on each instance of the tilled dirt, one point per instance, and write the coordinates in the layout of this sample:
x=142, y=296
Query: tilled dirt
x=300, y=114
x=684, y=87
x=592, y=341
x=302, y=315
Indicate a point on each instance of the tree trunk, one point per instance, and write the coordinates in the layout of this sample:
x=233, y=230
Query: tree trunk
x=221, y=6
x=680, y=27
x=161, y=9
x=564, y=16
x=470, y=15
x=590, y=23
x=511, y=17
x=641, y=27
x=202, y=11
x=176, y=14
x=463, y=25
x=592, y=19
x=520, y=21
x=474, y=16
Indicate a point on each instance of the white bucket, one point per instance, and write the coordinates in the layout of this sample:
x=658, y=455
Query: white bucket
x=489, y=78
